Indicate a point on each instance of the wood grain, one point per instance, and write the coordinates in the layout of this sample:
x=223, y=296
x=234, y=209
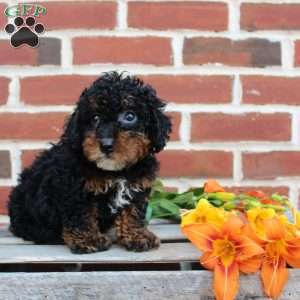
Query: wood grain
x=166, y=232
x=170, y=252
x=179, y=285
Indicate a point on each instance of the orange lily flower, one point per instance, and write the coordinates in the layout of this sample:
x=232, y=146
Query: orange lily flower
x=227, y=251
x=256, y=218
x=297, y=220
x=204, y=213
x=280, y=249
x=256, y=194
x=212, y=186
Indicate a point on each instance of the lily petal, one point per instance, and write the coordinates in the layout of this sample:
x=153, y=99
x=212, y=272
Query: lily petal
x=201, y=235
x=274, y=276
x=189, y=218
x=257, y=216
x=226, y=281
x=248, y=248
x=298, y=220
x=249, y=231
x=293, y=261
x=216, y=217
x=203, y=205
x=208, y=260
x=250, y=265
x=212, y=186
x=274, y=229
x=233, y=226
x=257, y=194
x=293, y=247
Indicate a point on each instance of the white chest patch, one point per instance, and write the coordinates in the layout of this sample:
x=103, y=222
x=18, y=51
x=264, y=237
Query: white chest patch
x=122, y=197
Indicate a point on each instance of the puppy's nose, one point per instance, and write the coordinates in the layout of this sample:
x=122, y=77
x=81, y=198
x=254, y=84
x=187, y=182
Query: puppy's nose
x=107, y=145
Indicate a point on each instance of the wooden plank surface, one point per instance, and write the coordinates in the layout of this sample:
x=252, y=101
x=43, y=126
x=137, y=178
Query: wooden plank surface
x=166, y=232
x=184, y=285
x=16, y=250
x=169, y=252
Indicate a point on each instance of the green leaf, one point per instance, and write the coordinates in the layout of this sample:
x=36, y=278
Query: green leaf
x=157, y=187
x=149, y=213
x=198, y=192
x=275, y=207
x=229, y=205
x=162, y=195
x=181, y=199
x=216, y=202
x=170, y=207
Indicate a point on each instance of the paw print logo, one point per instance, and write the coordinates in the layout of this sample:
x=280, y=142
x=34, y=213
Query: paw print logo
x=24, y=33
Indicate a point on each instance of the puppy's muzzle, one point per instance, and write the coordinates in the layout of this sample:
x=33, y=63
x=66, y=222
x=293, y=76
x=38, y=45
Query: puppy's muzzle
x=107, y=145
x=106, y=134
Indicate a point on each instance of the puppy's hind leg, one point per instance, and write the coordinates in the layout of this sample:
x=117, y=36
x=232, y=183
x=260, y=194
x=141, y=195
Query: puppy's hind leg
x=27, y=226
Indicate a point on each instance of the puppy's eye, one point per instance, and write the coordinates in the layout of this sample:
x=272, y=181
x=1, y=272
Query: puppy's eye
x=96, y=119
x=128, y=117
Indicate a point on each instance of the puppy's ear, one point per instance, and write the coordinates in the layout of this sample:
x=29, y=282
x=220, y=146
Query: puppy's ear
x=160, y=125
x=71, y=133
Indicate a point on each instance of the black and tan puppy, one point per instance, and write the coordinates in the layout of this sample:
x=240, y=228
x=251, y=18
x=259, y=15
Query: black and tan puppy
x=99, y=174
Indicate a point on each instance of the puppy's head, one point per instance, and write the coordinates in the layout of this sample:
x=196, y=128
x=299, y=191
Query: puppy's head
x=118, y=121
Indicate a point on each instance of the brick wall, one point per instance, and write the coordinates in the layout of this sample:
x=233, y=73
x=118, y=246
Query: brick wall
x=230, y=70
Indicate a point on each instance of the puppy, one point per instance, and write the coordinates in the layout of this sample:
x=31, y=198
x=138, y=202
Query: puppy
x=99, y=174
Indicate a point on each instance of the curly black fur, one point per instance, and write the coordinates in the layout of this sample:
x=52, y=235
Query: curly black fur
x=52, y=197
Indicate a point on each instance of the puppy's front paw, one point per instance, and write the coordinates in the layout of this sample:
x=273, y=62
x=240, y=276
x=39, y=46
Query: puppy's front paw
x=139, y=240
x=99, y=243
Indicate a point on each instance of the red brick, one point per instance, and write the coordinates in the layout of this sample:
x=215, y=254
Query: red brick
x=248, y=53
x=3, y=19
x=270, y=165
x=47, y=53
x=178, y=15
x=3, y=89
x=65, y=89
x=269, y=190
x=54, y=90
x=28, y=156
x=270, y=16
x=243, y=127
x=122, y=50
x=26, y=126
x=176, y=120
x=192, y=89
x=5, y=165
x=271, y=90
x=179, y=163
x=62, y=15
x=4, y=193
x=12, y=56
x=297, y=53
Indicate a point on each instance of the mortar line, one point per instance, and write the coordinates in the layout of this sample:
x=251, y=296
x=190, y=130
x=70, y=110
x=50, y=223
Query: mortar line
x=237, y=167
x=122, y=15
